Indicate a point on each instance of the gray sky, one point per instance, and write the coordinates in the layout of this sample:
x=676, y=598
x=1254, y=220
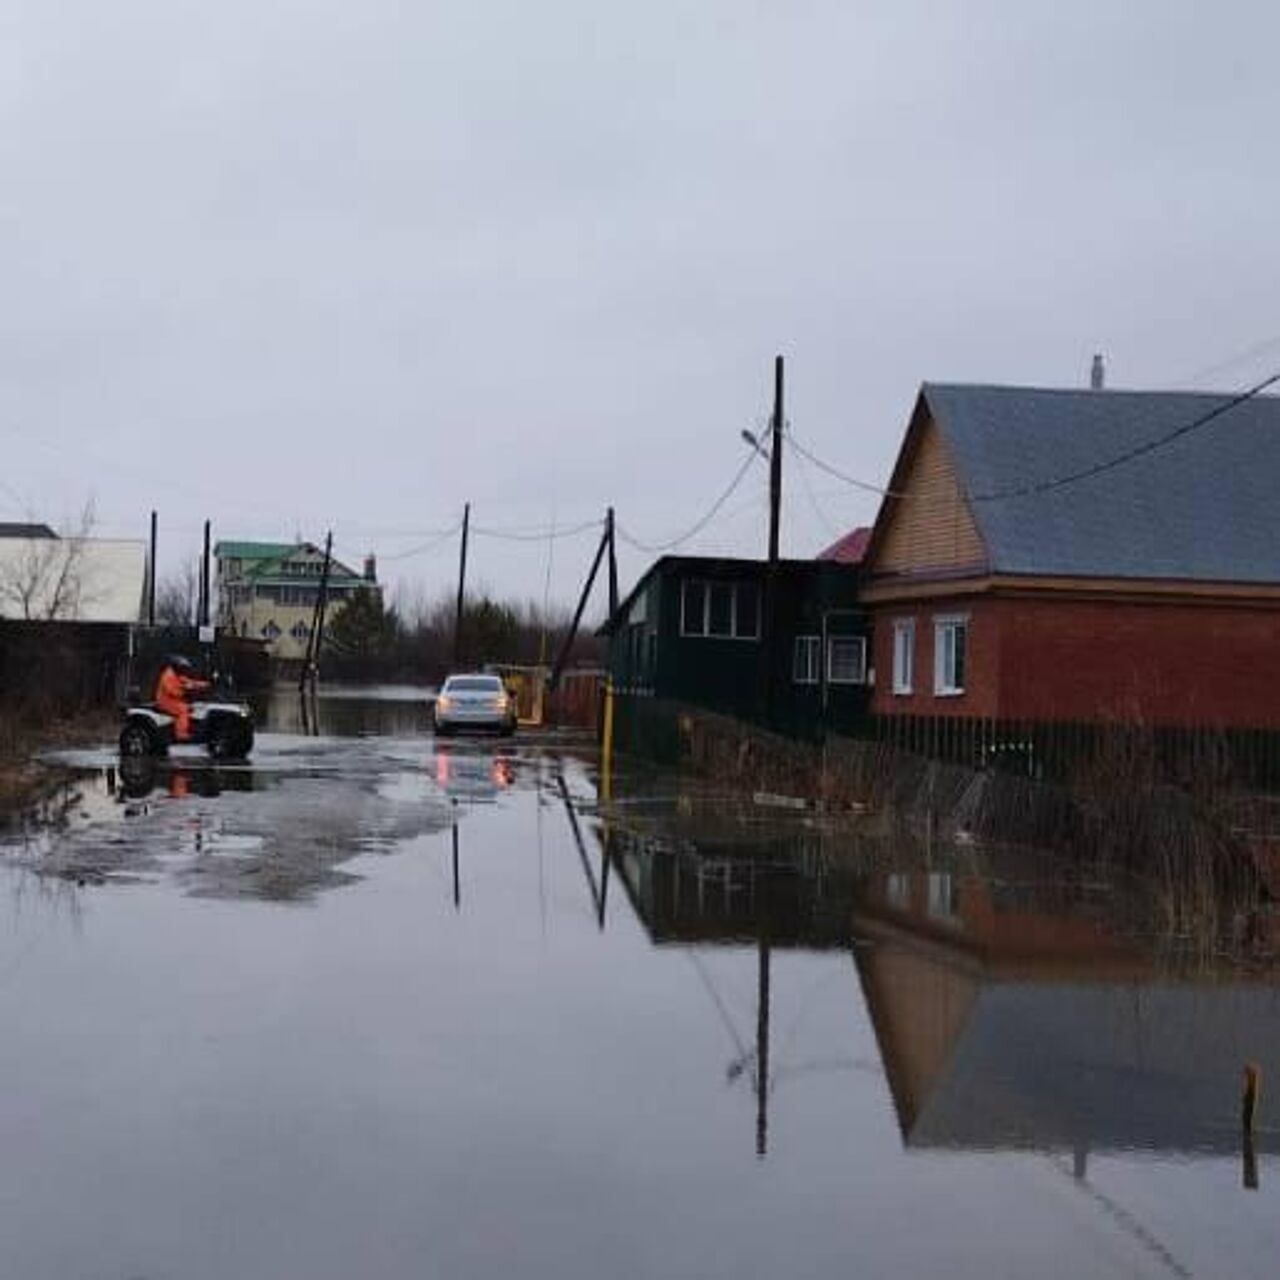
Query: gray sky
x=293, y=263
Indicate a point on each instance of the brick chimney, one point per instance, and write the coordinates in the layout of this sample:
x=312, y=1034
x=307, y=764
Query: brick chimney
x=1098, y=374
x=371, y=568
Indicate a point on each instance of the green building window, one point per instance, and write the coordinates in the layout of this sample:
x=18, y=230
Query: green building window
x=723, y=610
x=806, y=665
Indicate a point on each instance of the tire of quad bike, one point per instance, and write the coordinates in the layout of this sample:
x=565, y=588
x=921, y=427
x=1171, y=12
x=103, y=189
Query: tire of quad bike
x=230, y=740
x=138, y=738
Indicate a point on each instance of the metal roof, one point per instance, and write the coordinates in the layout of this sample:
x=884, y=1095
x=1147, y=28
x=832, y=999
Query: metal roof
x=9, y=529
x=849, y=549
x=1201, y=508
x=253, y=550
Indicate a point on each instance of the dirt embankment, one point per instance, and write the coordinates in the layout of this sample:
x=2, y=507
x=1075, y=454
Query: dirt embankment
x=24, y=775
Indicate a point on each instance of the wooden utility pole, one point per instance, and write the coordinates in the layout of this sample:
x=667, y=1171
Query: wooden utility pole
x=775, y=462
x=613, y=563
x=462, y=587
x=151, y=575
x=762, y=1051
x=769, y=648
x=202, y=614
x=311, y=662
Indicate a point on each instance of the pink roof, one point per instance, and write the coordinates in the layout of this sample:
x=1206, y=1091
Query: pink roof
x=851, y=548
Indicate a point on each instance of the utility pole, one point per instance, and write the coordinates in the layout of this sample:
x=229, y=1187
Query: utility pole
x=202, y=618
x=312, y=660
x=775, y=462
x=769, y=648
x=151, y=576
x=462, y=587
x=613, y=563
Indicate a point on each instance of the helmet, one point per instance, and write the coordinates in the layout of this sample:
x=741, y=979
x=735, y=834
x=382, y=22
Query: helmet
x=179, y=664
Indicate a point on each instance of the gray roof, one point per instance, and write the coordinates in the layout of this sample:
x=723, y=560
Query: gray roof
x=1102, y=1067
x=9, y=529
x=1204, y=507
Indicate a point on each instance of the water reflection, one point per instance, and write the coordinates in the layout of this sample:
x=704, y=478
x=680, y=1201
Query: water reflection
x=1013, y=1004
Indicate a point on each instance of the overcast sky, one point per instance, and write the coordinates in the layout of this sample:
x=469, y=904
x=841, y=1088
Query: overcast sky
x=300, y=263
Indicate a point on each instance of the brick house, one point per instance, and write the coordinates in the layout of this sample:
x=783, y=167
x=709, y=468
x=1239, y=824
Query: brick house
x=1147, y=592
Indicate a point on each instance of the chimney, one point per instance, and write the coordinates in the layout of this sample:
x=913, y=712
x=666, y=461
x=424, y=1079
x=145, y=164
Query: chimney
x=371, y=568
x=1098, y=374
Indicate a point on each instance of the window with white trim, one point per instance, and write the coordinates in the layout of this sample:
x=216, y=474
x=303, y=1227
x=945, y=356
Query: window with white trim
x=846, y=660
x=950, y=655
x=904, y=655
x=806, y=665
x=724, y=610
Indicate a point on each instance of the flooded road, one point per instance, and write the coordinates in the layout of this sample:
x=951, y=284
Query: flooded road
x=375, y=1007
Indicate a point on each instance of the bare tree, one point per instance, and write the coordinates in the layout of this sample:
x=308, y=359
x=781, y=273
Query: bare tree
x=176, y=595
x=46, y=579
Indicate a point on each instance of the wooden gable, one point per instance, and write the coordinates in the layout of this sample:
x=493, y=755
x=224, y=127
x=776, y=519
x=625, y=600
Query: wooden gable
x=928, y=527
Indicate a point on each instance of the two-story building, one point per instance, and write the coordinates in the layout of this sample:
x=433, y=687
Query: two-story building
x=268, y=591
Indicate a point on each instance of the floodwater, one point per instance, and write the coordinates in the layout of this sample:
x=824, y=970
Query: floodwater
x=375, y=1007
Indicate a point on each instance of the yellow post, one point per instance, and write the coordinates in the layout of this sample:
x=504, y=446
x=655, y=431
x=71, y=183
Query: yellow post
x=606, y=743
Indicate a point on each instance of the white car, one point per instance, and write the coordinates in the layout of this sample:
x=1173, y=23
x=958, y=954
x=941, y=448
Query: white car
x=475, y=701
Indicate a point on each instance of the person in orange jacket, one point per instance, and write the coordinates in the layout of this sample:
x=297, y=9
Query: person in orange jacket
x=175, y=684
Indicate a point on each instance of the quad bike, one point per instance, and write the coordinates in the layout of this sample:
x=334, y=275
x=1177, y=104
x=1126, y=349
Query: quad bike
x=224, y=729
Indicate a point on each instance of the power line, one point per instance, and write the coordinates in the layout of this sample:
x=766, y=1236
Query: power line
x=657, y=548
x=546, y=534
x=1129, y=455
x=443, y=536
x=865, y=485
x=818, y=510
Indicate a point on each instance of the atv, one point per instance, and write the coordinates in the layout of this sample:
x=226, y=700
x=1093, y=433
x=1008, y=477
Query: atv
x=225, y=729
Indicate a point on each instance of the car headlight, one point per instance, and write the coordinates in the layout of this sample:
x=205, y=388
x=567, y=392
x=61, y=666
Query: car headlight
x=443, y=702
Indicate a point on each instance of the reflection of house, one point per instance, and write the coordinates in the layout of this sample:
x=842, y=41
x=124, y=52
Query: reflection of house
x=268, y=590
x=1027, y=1024
x=1006, y=583
x=694, y=630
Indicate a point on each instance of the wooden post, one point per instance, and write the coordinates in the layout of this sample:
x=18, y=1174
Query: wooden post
x=606, y=742
x=462, y=587
x=762, y=1052
x=202, y=614
x=613, y=563
x=151, y=575
x=770, y=604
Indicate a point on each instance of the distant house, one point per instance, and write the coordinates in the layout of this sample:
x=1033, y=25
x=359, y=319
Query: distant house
x=268, y=590
x=693, y=631
x=45, y=578
x=68, y=610
x=1011, y=576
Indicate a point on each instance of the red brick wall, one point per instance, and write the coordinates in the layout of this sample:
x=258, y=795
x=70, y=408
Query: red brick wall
x=1161, y=663
x=982, y=681
x=1064, y=659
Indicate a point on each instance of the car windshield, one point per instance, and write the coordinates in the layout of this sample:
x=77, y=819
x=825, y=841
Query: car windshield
x=473, y=684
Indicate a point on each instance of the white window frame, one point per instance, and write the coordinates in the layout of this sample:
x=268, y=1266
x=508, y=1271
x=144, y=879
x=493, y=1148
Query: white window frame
x=904, y=656
x=944, y=625
x=707, y=584
x=861, y=642
x=811, y=647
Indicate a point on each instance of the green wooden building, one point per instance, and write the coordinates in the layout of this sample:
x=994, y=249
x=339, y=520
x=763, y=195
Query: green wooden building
x=693, y=631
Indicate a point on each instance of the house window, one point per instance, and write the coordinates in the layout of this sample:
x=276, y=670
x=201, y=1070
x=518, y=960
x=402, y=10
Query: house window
x=846, y=660
x=270, y=631
x=726, y=610
x=299, y=631
x=806, y=666
x=950, y=655
x=904, y=655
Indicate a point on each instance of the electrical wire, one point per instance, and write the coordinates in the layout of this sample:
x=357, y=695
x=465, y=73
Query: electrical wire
x=1129, y=455
x=536, y=535
x=657, y=548
x=422, y=548
x=1073, y=477
x=818, y=510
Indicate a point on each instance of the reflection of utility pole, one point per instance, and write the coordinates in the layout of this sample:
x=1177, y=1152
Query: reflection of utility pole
x=462, y=587
x=762, y=1053
x=598, y=892
x=457, y=882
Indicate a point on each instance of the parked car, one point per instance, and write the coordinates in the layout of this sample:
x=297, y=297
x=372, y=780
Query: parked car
x=474, y=701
